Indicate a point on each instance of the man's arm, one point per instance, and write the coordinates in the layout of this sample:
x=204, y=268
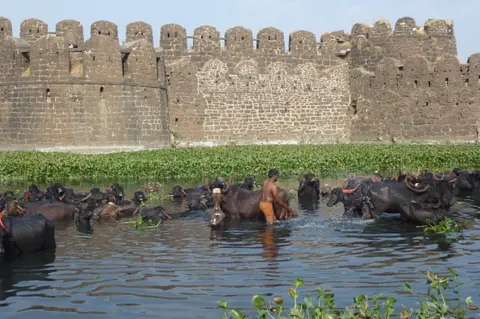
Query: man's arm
x=277, y=198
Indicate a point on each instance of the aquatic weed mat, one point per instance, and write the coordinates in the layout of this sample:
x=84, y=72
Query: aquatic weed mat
x=326, y=161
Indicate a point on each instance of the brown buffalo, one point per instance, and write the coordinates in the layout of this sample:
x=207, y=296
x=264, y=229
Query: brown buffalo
x=52, y=211
x=239, y=203
x=13, y=208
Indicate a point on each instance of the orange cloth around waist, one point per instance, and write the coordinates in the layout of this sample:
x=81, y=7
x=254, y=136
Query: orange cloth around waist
x=267, y=209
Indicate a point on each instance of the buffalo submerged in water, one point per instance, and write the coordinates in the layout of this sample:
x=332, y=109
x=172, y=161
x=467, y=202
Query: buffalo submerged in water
x=28, y=225
x=419, y=200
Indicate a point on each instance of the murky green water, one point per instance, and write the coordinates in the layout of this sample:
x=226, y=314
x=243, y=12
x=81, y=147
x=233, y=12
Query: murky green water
x=182, y=269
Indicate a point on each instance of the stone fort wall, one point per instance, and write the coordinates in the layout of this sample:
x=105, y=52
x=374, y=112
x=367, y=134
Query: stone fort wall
x=57, y=90
x=376, y=83
x=407, y=84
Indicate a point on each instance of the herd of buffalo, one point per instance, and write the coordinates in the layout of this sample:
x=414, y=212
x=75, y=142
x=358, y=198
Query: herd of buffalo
x=27, y=222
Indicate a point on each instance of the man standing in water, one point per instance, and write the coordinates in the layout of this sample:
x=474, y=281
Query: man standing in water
x=270, y=194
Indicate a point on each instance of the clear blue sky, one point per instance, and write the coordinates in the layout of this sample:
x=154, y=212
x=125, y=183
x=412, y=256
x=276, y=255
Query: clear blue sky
x=287, y=15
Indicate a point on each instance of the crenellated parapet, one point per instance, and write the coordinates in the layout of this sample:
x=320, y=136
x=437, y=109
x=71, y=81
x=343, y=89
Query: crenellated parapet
x=416, y=99
x=102, y=58
x=5, y=27
x=382, y=81
x=239, y=40
x=60, y=90
x=64, y=55
x=33, y=29
x=71, y=31
x=372, y=43
x=139, y=30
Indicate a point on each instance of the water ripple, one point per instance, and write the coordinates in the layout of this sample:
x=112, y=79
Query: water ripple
x=184, y=268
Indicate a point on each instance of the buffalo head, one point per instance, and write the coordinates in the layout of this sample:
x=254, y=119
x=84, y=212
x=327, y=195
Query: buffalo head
x=326, y=191
x=199, y=201
x=33, y=193
x=82, y=215
x=139, y=198
x=178, y=192
x=56, y=192
x=336, y=196
x=218, y=216
x=249, y=183
x=219, y=183
x=309, y=180
x=13, y=208
x=109, y=210
x=8, y=195
x=117, y=191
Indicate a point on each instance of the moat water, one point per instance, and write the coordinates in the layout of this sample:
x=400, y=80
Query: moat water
x=183, y=268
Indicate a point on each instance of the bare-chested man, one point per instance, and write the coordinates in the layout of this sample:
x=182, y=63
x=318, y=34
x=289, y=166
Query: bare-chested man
x=270, y=194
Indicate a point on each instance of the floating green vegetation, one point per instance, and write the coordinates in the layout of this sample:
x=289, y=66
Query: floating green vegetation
x=447, y=225
x=433, y=304
x=141, y=223
x=196, y=163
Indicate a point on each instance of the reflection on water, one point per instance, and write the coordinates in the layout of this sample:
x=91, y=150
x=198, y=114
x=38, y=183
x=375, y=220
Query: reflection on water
x=182, y=269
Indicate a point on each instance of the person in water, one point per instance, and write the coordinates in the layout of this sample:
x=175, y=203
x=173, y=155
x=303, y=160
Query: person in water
x=270, y=194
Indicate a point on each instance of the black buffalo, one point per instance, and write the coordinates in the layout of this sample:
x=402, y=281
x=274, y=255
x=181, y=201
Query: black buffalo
x=416, y=203
x=23, y=236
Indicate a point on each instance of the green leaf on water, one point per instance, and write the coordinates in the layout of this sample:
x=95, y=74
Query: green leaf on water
x=298, y=283
x=468, y=300
x=236, y=314
x=391, y=301
x=258, y=302
x=223, y=304
x=453, y=271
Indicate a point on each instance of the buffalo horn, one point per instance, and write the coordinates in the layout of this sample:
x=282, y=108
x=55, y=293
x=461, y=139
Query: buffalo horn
x=86, y=197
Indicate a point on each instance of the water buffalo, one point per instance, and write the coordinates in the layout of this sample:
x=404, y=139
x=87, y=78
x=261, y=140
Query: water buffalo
x=220, y=183
x=106, y=211
x=198, y=198
x=419, y=204
x=248, y=184
x=466, y=181
x=12, y=207
x=22, y=236
x=309, y=187
x=239, y=203
x=117, y=194
x=82, y=220
x=200, y=201
x=154, y=213
x=33, y=194
x=136, y=208
x=53, y=211
x=55, y=192
x=353, y=197
x=133, y=206
x=179, y=192
x=415, y=203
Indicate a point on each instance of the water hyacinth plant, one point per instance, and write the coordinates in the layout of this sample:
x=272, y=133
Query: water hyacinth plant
x=447, y=225
x=196, y=163
x=434, y=304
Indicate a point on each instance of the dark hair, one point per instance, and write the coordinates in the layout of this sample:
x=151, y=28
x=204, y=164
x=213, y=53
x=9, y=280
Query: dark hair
x=273, y=172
